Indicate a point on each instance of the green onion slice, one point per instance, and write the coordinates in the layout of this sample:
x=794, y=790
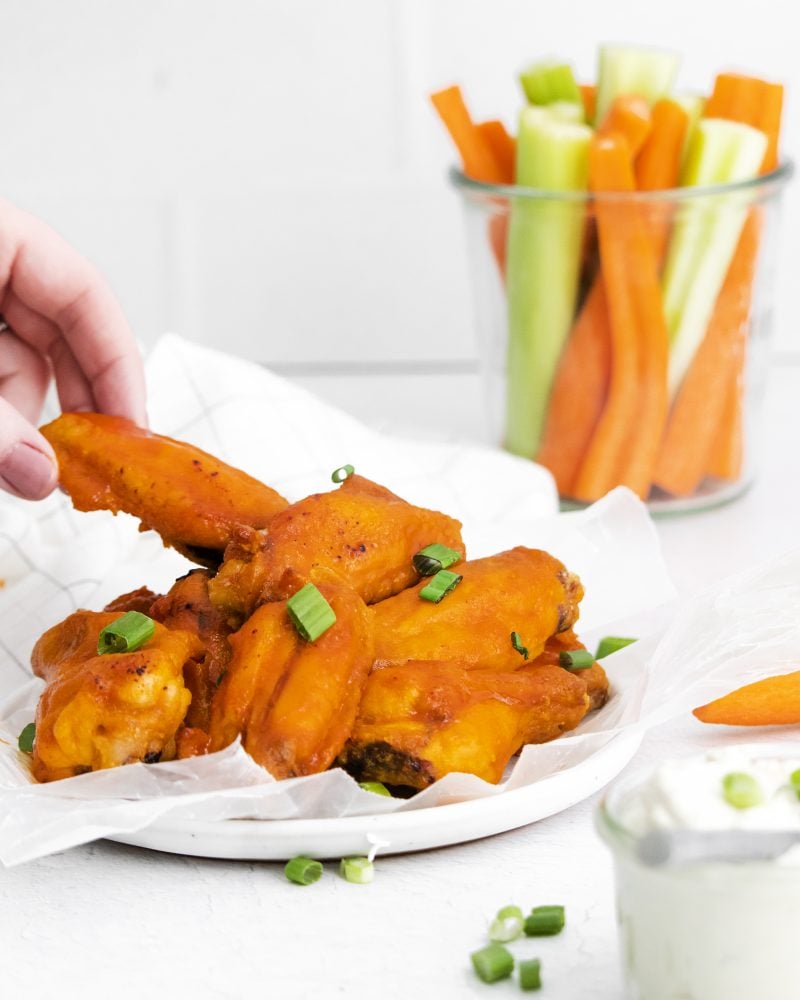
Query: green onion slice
x=376, y=787
x=358, y=870
x=530, y=974
x=741, y=790
x=610, y=644
x=343, y=472
x=510, y=911
x=545, y=920
x=432, y=558
x=576, y=659
x=310, y=613
x=794, y=780
x=26, y=738
x=516, y=642
x=127, y=633
x=492, y=963
x=303, y=871
x=508, y=928
x=440, y=586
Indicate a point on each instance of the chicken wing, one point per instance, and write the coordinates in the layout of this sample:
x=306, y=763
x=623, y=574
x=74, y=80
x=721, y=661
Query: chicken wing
x=420, y=721
x=187, y=607
x=294, y=702
x=191, y=499
x=593, y=677
x=361, y=531
x=523, y=590
x=102, y=711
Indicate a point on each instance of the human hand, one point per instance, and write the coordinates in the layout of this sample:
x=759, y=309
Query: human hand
x=60, y=321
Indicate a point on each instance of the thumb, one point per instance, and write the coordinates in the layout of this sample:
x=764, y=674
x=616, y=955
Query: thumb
x=28, y=466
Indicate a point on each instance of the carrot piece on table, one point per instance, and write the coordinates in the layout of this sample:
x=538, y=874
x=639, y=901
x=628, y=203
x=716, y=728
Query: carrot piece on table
x=625, y=443
x=579, y=391
x=589, y=98
x=774, y=701
x=477, y=156
x=503, y=147
x=628, y=116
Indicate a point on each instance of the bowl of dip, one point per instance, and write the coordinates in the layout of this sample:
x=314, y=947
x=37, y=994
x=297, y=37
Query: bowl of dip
x=707, y=864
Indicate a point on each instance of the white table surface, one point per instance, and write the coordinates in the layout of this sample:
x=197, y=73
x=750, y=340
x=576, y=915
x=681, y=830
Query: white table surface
x=110, y=921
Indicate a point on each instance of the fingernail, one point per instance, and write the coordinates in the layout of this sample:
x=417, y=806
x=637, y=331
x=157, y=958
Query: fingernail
x=29, y=472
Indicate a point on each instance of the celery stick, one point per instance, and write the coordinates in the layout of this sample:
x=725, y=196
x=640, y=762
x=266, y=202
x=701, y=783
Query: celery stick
x=548, y=81
x=705, y=233
x=567, y=111
x=693, y=105
x=624, y=71
x=544, y=254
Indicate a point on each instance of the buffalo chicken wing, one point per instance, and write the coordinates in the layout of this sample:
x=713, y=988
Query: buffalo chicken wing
x=194, y=501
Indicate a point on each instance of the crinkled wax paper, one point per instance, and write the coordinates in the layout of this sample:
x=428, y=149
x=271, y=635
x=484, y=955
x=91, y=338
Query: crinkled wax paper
x=54, y=560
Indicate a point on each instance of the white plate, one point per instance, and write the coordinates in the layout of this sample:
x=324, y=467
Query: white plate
x=417, y=830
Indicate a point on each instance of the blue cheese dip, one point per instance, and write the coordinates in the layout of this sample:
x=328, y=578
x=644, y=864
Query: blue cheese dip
x=711, y=929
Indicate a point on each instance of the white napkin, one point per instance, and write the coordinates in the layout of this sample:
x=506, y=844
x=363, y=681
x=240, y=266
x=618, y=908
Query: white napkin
x=54, y=560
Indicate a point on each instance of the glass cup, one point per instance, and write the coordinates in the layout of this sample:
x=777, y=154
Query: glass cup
x=624, y=336
x=721, y=930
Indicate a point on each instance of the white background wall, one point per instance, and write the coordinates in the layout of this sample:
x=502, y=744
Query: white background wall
x=269, y=177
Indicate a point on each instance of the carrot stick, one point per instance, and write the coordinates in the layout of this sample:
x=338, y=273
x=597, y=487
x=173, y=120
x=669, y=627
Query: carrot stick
x=774, y=701
x=628, y=116
x=658, y=164
x=579, y=391
x=699, y=410
x=726, y=459
x=589, y=98
x=581, y=385
x=770, y=122
x=758, y=103
x=625, y=443
x=477, y=156
x=503, y=146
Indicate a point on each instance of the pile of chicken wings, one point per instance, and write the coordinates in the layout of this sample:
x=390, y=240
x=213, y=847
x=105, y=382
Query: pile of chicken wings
x=399, y=689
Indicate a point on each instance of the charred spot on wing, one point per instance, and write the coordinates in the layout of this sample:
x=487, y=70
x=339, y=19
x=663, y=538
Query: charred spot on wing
x=380, y=761
x=210, y=558
x=152, y=758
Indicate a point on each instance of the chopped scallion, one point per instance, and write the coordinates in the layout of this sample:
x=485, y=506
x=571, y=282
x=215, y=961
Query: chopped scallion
x=343, y=472
x=492, y=963
x=504, y=929
x=530, y=974
x=126, y=634
x=310, y=613
x=610, y=644
x=545, y=920
x=576, y=659
x=510, y=911
x=516, y=642
x=432, y=558
x=439, y=586
x=376, y=787
x=27, y=737
x=741, y=790
x=358, y=870
x=794, y=779
x=303, y=871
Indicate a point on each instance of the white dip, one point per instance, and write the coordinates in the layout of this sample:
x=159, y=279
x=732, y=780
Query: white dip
x=709, y=931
